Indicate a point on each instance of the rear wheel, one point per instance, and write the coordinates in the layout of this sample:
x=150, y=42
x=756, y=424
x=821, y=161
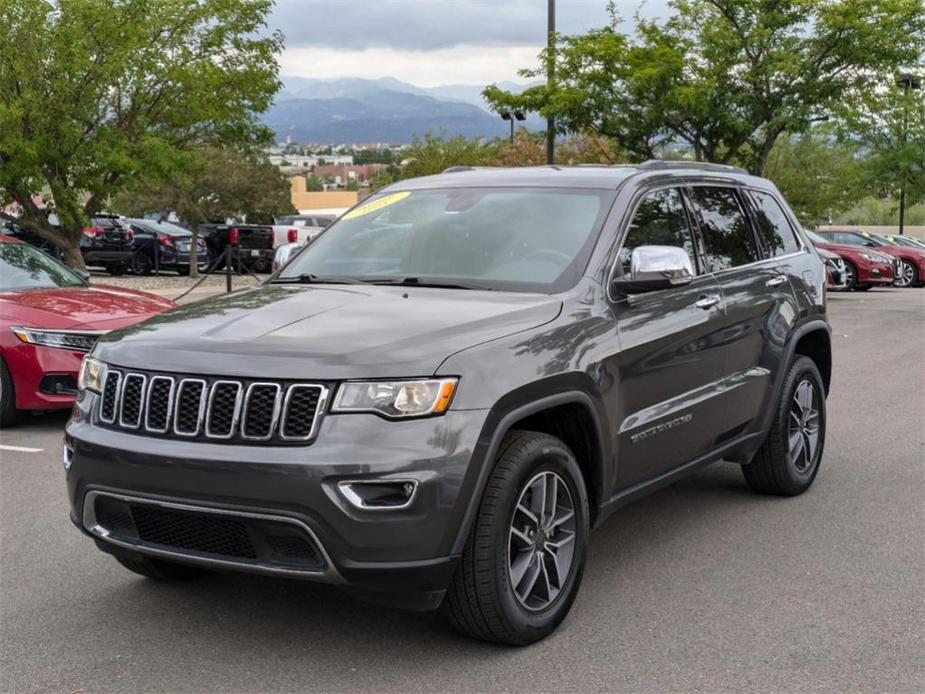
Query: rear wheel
x=9, y=415
x=141, y=264
x=522, y=564
x=158, y=569
x=788, y=460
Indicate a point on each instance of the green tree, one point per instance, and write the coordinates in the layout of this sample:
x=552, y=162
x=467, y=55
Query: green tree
x=94, y=93
x=727, y=78
x=214, y=185
x=314, y=184
x=435, y=153
x=352, y=184
x=890, y=125
x=818, y=173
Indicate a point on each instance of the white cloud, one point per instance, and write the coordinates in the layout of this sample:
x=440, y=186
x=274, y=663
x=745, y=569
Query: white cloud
x=469, y=64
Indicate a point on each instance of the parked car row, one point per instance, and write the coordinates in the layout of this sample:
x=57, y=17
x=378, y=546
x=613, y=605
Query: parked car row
x=870, y=260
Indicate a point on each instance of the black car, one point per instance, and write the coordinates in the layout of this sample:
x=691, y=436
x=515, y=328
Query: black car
x=108, y=242
x=165, y=246
x=435, y=401
x=11, y=228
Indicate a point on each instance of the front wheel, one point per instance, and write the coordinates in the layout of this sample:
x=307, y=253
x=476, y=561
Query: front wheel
x=524, y=558
x=788, y=460
x=9, y=415
x=907, y=277
x=851, y=276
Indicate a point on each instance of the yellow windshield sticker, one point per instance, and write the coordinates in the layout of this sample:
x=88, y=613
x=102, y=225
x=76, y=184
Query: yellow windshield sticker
x=376, y=205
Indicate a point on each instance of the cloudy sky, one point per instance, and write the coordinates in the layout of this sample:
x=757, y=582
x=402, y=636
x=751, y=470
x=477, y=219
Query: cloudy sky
x=428, y=42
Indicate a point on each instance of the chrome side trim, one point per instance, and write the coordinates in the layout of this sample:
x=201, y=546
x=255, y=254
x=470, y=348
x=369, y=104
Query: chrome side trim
x=239, y=390
x=316, y=420
x=91, y=525
x=141, y=401
x=147, y=401
x=277, y=406
x=111, y=373
x=202, y=407
x=356, y=501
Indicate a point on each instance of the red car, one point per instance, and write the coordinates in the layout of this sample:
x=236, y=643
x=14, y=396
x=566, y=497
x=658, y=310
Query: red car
x=864, y=267
x=909, y=263
x=50, y=318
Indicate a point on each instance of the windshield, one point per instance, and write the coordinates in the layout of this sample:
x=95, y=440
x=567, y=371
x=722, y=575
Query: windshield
x=814, y=237
x=514, y=239
x=24, y=267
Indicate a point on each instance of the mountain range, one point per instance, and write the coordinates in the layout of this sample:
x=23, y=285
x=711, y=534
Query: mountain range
x=382, y=110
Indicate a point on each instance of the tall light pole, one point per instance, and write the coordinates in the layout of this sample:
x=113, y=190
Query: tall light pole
x=908, y=82
x=512, y=116
x=550, y=77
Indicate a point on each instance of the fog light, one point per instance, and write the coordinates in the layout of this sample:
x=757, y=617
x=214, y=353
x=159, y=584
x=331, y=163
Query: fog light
x=379, y=495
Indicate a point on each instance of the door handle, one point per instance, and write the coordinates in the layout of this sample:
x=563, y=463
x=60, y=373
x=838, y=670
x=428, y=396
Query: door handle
x=707, y=301
x=776, y=281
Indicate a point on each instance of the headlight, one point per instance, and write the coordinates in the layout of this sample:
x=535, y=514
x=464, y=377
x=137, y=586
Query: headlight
x=396, y=398
x=77, y=340
x=92, y=375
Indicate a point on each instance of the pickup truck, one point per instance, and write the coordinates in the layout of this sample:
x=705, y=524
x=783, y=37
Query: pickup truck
x=307, y=226
x=255, y=243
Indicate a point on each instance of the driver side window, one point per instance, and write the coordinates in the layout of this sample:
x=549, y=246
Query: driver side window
x=660, y=220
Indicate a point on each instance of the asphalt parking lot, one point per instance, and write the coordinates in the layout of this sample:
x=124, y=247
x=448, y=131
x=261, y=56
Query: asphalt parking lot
x=701, y=587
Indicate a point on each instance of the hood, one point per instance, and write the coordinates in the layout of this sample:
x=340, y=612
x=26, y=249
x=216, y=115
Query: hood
x=93, y=308
x=324, y=332
x=902, y=251
x=845, y=250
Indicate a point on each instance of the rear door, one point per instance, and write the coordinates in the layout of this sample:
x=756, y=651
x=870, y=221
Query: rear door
x=668, y=365
x=758, y=293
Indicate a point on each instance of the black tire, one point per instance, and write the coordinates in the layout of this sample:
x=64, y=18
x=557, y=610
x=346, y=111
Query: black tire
x=141, y=264
x=862, y=287
x=776, y=468
x=115, y=269
x=9, y=415
x=183, y=270
x=158, y=569
x=262, y=266
x=481, y=601
x=851, y=276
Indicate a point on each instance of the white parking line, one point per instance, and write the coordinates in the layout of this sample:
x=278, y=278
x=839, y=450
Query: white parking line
x=20, y=449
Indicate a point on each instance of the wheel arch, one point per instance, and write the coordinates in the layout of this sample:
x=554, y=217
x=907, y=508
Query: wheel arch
x=573, y=416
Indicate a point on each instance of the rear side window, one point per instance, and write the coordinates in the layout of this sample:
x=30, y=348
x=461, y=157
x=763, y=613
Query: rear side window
x=774, y=230
x=659, y=220
x=728, y=238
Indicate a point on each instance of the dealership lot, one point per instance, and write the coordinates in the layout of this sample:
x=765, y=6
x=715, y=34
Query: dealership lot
x=703, y=586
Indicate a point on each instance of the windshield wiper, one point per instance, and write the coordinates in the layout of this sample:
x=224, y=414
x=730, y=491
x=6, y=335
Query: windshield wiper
x=418, y=282
x=310, y=278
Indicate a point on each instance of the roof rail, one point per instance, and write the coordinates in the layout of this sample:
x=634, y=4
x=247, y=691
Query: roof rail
x=697, y=165
x=455, y=169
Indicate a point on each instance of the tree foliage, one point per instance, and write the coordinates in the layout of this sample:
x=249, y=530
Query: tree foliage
x=818, y=173
x=727, y=78
x=217, y=183
x=94, y=93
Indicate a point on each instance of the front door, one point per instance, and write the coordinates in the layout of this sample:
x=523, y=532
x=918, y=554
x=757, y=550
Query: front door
x=668, y=367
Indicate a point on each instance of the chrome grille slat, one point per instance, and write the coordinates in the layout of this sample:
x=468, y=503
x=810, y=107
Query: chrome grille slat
x=255, y=426
x=184, y=410
x=131, y=400
x=160, y=404
x=215, y=409
x=109, y=399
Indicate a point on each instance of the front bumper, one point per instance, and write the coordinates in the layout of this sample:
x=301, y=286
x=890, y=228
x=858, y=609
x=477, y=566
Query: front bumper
x=29, y=364
x=397, y=552
x=875, y=273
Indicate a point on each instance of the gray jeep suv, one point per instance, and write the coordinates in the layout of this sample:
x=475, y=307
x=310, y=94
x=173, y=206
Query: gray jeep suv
x=436, y=401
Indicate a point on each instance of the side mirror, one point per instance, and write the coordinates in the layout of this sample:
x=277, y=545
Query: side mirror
x=82, y=273
x=653, y=268
x=870, y=244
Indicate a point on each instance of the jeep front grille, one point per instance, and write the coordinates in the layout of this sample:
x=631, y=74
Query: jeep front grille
x=213, y=409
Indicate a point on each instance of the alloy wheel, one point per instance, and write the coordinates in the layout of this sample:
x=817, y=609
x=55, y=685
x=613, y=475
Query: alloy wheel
x=541, y=541
x=906, y=274
x=804, y=427
x=851, y=277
